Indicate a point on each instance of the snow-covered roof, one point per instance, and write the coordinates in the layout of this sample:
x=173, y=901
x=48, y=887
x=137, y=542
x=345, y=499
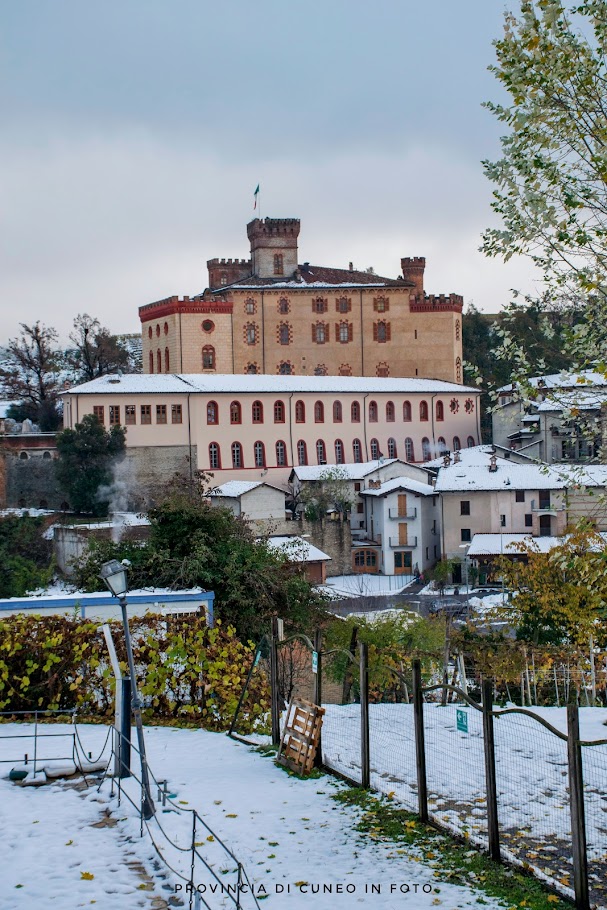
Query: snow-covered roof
x=508, y=475
x=401, y=483
x=234, y=489
x=562, y=380
x=207, y=384
x=473, y=455
x=504, y=544
x=297, y=549
x=349, y=471
x=581, y=399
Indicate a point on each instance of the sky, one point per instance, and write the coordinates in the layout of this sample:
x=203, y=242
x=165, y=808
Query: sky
x=135, y=132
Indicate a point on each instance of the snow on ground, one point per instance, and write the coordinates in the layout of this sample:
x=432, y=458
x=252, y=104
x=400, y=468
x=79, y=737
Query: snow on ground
x=284, y=830
x=363, y=585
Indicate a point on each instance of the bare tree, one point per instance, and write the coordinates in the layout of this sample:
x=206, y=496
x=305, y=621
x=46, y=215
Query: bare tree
x=30, y=374
x=96, y=352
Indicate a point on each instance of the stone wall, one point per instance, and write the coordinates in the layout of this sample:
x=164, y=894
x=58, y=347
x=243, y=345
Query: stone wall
x=143, y=471
x=332, y=537
x=27, y=472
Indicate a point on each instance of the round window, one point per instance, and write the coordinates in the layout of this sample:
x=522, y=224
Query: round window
x=208, y=325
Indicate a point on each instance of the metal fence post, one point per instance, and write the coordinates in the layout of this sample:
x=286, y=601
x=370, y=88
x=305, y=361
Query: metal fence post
x=576, y=803
x=193, y=860
x=420, y=743
x=274, y=682
x=317, y=691
x=493, y=829
x=124, y=735
x=364, y=716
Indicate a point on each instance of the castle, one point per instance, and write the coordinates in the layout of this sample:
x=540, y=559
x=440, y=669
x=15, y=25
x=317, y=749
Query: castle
x=269, y=314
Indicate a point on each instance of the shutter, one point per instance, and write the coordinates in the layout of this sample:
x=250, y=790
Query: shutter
x=388, y=331
x=337, y=331
x=374, y=331
x=314, y=332
x=350, y=331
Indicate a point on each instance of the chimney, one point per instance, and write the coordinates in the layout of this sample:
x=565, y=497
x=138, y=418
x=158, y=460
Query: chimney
x=493, y=464
x=457, y=457
x=351, y=266
x=413, y=271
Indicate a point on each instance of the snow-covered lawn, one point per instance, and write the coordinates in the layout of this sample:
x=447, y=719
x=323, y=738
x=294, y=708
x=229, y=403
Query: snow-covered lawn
x=285, y=831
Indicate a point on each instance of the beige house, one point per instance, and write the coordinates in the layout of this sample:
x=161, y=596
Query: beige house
x=253, y=500
x=259, y=427
x=271, y=314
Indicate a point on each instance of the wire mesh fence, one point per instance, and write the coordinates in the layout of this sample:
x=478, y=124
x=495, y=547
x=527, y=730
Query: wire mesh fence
x=594, y=762
x=341, y=731
x=391, y=734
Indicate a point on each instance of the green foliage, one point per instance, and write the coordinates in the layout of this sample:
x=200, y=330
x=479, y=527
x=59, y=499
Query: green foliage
x=193, y=543
x=332, y=490
x=186, y=671
x=84, y=463
x=29, y=374
x=25, y=555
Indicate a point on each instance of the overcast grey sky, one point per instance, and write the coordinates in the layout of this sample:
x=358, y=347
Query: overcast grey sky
x=135, y=131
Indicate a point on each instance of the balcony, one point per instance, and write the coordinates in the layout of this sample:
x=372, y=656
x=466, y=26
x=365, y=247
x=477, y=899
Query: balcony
x=409, y=515
x=410, y=544
x=545, y=507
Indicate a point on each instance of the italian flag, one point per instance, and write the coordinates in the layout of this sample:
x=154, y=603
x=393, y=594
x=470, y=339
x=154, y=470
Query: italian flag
x=255, y=197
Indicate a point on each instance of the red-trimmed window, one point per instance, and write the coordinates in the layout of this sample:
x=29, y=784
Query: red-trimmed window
x=257, y=412
x=321, y=452
x=374, y=449
x=283, y=306
x=456, y=444
x=252, y=369
x=337, y=412
x=302, y=452
x=237, y=461
x=372, y=412
x=426, y=454
x=235, y=412
x=158, y=361
x=300, y=412
x=442, y=445
x=214, y=456
x=320, y=332
x=212, y=412
x=339, y=452
x=208, y=357
x=285, y=368
x=281, y=454
x=319, y=412
x=284, y=333
x=440, y=410
x=151, y=362
x=392, y=448
x=357, y=451
x=259, y=452
x=344, y=332
x=355, y=412
x=278, y=264
x=150, y=333
x=390, y=412
x=409, y=449
x=279, y=412
x=406, y=411
x=423, y=410
x=381, y=331
x=320, y=305
x=471, y=442
x=167, y=361
x=166, y=328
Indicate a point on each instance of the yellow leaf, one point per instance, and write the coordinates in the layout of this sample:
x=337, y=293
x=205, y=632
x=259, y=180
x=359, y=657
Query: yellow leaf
x=410, y=824
x=87, y=876
x=69, y=843
x=231, y=815
x=552, y=898
x=299, y=884
x=183, y=802
x=210, y=837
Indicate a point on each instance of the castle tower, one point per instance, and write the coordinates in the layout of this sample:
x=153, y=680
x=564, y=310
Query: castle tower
x=273, y=247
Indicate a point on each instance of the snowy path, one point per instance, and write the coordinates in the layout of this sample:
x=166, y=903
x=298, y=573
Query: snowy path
x=284, y=830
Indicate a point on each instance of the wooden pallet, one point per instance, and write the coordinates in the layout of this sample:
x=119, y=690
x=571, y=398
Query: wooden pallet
x=301, y=736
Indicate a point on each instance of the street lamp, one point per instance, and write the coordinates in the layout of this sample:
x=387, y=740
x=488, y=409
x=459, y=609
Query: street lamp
x=114, y=574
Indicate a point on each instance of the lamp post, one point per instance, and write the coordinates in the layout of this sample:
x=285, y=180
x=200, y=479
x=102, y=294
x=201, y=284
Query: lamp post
x=114, y=575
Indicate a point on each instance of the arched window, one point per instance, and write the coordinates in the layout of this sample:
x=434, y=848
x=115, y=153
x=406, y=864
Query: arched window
x=47, y=456
x=235, y=412
x=321, y=452
x=279, y=412
x=423, y=410
x=374, y=449
x=457, y=329
x=390, y=413
x=23, y=456
x=285, y=368
x=237, y=455
x=409, y=449
x=372, y=412
x=208, y=357
x=151, y=362
x=150, y=332
x=337, y=412
x=167, y=361
x=212, y=412
x=281, y=454
x=250, y=333
x=339, y=452
x=392, y=448
x=158, y=361
x=321, y=370
x=214, y=456
x=257, y=412
x=344, y=332
x=440, y=410
x=283, y=306
x=319, y=412
x=302, y=452
x=442, y=445
x=381, y=331
x=471, y=442
x=278, y=263
x=357, y=451
x=300, y=412
x=259, y=451
x=166, y=328
x=456, y=444
x=458, y=369
x=406, y=411
x=355, y=412
x=426, y=449
x=251, y=368
x=345, y=369
x=284, y=333
x=157, y=330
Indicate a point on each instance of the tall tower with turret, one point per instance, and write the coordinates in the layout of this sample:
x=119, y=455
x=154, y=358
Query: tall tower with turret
x=273, y=247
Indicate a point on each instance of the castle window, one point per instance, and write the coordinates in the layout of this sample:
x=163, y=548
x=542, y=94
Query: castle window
x=146, y=413
x=355, y=412
x=454, y=405
x=337, y=412
x=392, y=448
x=345, y=369
x=279, y=412
x=321, y=452
x=176, y=413
x=372, y=412
x=257, y=412
x=423, y=410
x=157, y=331
x=390, y=412
x=251, y=369
x=161, y=413
x=381, y=304
x=319, y=332
x=224, y=279
x=320, y=370
x=339, y=452
x=99, y=413
x=300, y=412
x=150, y=333
x=344, y=332
x=442, y=445
x=114, y=415
x=251, y=333
x=278, y=264
x=319, y=412
x=158, y=361
x=320, y=305
x=130, y=415
x=357, y=451
x=343, y=305
x=47, y=456
x=208, y=325
x=302, y=452
x=151, y=362
x=214, y=456
x=283, y=306
x=281, y=454
x=284, y=333
x=166, y=328
x=440, y=410
x=382, y=369
x=374, y=449
x=167, y=361
x=406, y=411
x=208, y=357
x=457, y=329
x=212, y=412
x=285, y=368
x=235, y=412
x=409, y=449
x=259, y=451
x=456, y=444
x=471, y=442
x=250, y=307
x=381, y=331
x=458, y=369
x=468, y=405
x=426, y=449
x=236, y=455
x=23, y=456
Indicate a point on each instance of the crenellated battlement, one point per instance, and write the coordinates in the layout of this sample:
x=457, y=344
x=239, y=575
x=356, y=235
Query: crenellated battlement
x=432, y=303
x=413, y=268
x=226, y=271
x=216, y=262
x=171, y=305
x=273, y=227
